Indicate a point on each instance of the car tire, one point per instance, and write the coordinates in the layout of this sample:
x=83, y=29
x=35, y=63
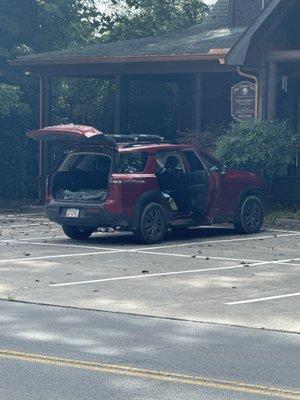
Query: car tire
x=250, y=215
x=77, y=232
x=153, y=224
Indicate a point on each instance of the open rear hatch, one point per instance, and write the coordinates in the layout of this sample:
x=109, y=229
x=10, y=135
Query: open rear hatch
x=73, y=134
x=83, y=174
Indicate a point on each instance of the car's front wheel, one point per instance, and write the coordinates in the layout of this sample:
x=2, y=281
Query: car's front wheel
x=77, y=232
x=250, y=215
x=153, y=225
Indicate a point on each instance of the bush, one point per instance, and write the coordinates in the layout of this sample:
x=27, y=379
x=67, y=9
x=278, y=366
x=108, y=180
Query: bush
x=207, y=140
x=259, y=146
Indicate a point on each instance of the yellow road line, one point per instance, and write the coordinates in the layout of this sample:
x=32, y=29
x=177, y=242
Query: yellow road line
x=151, y=374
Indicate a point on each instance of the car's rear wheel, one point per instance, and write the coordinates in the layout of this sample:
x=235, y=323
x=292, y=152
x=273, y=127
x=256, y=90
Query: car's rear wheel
x=77, y=232
x=250, y=215
x=153, y=225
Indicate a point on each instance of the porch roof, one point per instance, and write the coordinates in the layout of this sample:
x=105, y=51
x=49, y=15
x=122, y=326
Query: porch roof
x=179, y=45
x=211, y=39
x=272, y=13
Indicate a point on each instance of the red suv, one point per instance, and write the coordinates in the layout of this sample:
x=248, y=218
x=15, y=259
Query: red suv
x=144, y=185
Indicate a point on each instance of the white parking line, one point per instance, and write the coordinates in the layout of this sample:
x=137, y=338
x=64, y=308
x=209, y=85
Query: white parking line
x=123, y=278
x=291, y=264
x=63, y=245
x=136, y=251
x=16, y=260
x=196, y=256
x=219, y=241
x=193, y=271
x=111, y=250
x=233, y=303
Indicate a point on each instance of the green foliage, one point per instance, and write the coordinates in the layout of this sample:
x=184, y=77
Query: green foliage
x=140, y=18
x=87, y=101
x=15, y=153
x=207, y=140
x=283, y=212
x=258, y=146
x=44, y=25
x=152, y=98
x=10, y=101
x=31, y=26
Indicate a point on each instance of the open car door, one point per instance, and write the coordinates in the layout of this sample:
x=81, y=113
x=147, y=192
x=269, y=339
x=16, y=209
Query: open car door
x=197, y=181
x=73, y=134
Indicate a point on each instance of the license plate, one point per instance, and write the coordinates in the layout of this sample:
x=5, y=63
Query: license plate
x=72, y=213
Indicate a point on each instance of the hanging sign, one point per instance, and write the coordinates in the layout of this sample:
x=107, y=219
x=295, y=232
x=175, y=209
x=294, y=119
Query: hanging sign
x=243, y=100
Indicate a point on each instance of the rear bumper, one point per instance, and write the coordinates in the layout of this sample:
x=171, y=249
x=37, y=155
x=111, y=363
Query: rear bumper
x=90, y=215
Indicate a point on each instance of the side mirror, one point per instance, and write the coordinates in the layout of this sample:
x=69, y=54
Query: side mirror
x=223, y=170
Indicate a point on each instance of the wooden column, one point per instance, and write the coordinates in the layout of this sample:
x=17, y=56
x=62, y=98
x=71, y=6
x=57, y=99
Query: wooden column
x=292, y=103
x=118, y=104
x=125, y=98
x=272, y=91
x=198, y=115
x=263, y=93
x=45, y=120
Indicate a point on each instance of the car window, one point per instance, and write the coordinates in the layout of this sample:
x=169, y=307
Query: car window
x=132, y=163
x=86, y=162
x=211, y=163
x=194, y=161
x=162, y=156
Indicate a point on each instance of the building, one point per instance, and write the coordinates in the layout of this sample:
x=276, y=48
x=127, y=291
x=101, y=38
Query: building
x=252, y=40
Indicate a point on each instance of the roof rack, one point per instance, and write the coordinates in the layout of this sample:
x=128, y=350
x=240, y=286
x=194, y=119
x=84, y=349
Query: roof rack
x=137, y=139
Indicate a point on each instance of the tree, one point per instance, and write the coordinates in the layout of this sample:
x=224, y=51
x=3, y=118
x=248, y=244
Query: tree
x=31, y=26
x=141, y=18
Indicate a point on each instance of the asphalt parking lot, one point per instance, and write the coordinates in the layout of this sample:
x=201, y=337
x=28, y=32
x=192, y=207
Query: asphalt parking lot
x=210, y=274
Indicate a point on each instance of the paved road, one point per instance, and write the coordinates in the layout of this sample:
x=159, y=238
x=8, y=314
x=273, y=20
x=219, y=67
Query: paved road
x=112, y=351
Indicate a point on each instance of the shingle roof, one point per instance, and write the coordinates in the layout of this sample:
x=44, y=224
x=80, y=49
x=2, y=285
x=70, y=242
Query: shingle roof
x=191, y=41
x=246, y=11
x=211, y=37
x=272, y=12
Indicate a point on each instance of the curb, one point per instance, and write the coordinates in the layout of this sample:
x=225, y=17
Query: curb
x=289, y=223
x=33, y=209
x=24, y=210
x=285, y=223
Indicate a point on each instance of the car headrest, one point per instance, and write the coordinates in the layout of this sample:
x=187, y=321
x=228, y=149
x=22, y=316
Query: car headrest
x=171, y=162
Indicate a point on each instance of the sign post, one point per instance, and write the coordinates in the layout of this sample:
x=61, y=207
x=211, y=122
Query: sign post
x=243, y=100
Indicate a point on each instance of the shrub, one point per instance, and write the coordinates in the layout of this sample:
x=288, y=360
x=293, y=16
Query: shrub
x=259, y=146
x=207, y=140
